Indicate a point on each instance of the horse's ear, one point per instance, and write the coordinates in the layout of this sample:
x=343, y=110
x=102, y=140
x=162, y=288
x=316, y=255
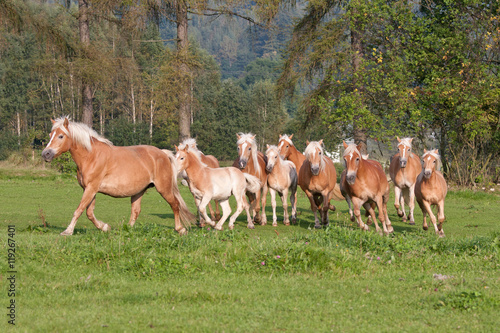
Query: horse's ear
x=307, y=142
x=425, y=151
x=253, y=137
x=53, y=121
x=238, y=136
x=291, y=136
x=66, y=122
x=436, y=151
x=345, y=144
x=321, y=141
x=267, y=146
x=359, y=147
x=280, y=137
x=411, y=139
x=399, y=140
x=176, y=148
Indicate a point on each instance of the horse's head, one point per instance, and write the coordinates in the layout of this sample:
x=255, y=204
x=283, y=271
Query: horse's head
x=314, y=154
x=404, y=151
x=246, y=148
x=273, y=157
x=352, y=159
x=60, y=141
x=430, y=161
x=284, y=145
x=182, y=158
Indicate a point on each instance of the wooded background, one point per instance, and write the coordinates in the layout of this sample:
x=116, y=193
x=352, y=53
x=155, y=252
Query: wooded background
x=155, y=72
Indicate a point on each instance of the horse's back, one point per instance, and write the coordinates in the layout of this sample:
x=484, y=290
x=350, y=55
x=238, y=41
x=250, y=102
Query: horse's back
x=210, y=161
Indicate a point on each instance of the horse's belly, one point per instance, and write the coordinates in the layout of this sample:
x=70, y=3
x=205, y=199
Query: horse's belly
x=122, y=188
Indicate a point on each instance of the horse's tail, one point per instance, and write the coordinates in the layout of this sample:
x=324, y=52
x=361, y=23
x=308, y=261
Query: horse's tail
x=253, y=183
x=185, y=215
x=337, y=193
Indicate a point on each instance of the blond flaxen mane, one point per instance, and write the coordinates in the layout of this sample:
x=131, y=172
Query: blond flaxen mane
x=80, y=133
x=311, y=149
x=250, y=139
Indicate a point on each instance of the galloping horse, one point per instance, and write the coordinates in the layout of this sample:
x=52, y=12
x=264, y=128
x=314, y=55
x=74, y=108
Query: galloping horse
x=289, y=152
x=116, y=171
x=211, y=162
x=282, y=177
x=218, y=184
x=365, y=182
x=252, y=161
x=431, y=189
x=404, y=169
x=317, y=178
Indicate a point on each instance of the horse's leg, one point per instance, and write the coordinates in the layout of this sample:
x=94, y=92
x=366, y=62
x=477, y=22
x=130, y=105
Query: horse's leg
x=212, y=212
x=428, y=208
x=88, y=195
x=203, y=211
x=90, y=214
x=326, y=206
x=226, y=211
x=217, y=210
x=251, y=199
x=314, y=208
x=385, y=200
x=402, y=201
x=356, y=203
x=381, y=214
x=412, y=204
x=318, y=200
x=273, y=204
x=136, y=207
x=264, y=199
x=441, y=218
x=168, y=195
x=351, y=214
x=397, y=200
x=293, y=202
x=370, y=211
x=286, y=218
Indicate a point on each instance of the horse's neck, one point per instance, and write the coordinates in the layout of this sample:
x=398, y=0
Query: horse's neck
x=81, y=155
x=296, y=157
x=193, y=169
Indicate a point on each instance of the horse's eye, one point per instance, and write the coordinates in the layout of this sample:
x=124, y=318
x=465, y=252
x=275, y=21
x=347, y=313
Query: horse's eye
x=182, y=158
x=287, y=146
x=275, y=157
x=357, y=159
x=408, y=149
x=250, y=148
x=61, y=136
x=238, y=148
x=320, y=153
x=434, y=162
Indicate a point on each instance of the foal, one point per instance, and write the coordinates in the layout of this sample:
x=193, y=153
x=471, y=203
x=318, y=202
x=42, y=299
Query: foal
x=431, y=189
x=404, y=169
x=210, y=161
x=282, y=177
x=216, y=184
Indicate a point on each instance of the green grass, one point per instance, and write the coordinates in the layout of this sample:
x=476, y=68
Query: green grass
x=292, y=279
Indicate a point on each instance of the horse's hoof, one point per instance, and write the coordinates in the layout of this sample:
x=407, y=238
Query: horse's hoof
x=366, y=227
x=286, y=223
x=317, y=226
x=231, y=227
x=412, y=223
x=251, y=226
x=275, y=224
x=327, y=224
x=352, y=219
x=441, y=233
x=66, y=233
x=106, y=227
x=390, y=230
x=183, y=232
x=294, y=221
x=425, y=227
x=218, y=228
x=401, y=214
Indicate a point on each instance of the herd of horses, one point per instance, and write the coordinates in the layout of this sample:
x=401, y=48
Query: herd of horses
x=130, y=171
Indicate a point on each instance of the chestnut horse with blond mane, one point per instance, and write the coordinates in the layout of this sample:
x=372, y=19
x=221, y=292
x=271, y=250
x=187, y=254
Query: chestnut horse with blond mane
x=365, y=182
x=216, y=184
x=253, y=162
x=281, y=178
x=404, y=169
x=116, y=171
x=210, y=161
x=318, y=178
x=431, y=189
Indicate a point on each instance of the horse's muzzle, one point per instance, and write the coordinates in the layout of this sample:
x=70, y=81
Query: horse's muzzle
x=242, y=164
x=269, y=168
x=315, y=170
x=402, y=163
x=48, y=154
x=427, y=173
x=351, y=178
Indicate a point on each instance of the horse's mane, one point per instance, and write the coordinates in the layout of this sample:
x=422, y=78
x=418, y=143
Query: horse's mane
x=311, y=148
x=406, y=142
x=436, y=156
x=249, y=137
x=286, y=138
x=276, y=150
x=80, y=133
x=191, y=143
x=351, y=148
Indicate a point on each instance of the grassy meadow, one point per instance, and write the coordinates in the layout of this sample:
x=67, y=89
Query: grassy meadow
x=271, y=279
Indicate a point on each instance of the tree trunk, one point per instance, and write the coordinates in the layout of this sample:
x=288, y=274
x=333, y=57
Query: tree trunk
x=182, y=50
x=83, y=24
x=359, y=133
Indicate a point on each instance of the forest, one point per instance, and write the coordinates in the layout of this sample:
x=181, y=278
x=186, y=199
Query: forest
x=155, y=72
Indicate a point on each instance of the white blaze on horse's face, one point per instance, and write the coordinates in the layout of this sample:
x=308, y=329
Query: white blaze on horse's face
x=272, y=158
x=180, y=156
x=244, y=151
x=351, y=163
x=315, y=160
x=59, y=143
x=283, y=148
x=404, y=152
x=429, y=165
